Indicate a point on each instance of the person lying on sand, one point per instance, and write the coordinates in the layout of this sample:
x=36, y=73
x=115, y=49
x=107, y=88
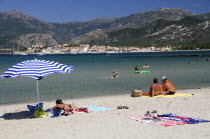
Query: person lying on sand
x=69, y=108
x=156, y=89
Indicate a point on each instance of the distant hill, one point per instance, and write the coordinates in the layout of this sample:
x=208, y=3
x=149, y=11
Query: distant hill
x=142, y=19
x=185, y=32
x=167, y=26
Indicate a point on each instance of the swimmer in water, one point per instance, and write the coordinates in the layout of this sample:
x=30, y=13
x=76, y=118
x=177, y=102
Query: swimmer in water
x=146, y=66
x=137, y=68
x=114, y=76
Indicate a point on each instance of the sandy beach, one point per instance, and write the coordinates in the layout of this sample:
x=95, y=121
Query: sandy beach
x=113, y=124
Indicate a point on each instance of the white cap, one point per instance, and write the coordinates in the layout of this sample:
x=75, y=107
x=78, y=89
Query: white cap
x=164, y=78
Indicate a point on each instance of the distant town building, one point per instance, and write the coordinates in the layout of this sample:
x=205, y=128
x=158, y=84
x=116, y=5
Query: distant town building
x=86, y=48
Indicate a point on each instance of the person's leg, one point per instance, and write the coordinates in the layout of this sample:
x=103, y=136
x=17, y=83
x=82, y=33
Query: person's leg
x=73, y=108
x=162, y=93
x=85, y=109
x=145, y=94
x=68, y=109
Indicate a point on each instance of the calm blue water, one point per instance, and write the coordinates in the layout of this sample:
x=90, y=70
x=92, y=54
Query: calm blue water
x=88, y=77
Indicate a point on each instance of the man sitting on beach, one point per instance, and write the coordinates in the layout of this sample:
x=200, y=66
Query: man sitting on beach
x=168, y=86
x=156, y=89
x=69, y=108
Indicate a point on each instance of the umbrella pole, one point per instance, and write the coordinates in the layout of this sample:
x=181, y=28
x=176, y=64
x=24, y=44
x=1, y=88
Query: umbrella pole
x=37, y=83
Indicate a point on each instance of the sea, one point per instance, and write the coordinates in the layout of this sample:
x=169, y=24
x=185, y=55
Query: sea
x=186, y=69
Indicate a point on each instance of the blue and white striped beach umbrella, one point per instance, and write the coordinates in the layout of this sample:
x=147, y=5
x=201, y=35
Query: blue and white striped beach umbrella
x=36, y=69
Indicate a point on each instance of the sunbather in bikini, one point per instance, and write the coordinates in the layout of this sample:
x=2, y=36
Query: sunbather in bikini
x=69, y=108
x=156, y=89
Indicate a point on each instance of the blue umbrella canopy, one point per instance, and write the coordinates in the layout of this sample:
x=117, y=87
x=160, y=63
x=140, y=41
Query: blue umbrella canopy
x=36, y=69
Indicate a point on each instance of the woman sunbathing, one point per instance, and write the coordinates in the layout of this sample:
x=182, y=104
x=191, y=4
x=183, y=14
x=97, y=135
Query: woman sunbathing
x=69, y=108
x=156, y=89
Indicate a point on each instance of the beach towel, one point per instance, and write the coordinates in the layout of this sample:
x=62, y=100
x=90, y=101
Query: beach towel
x=168, y=96
x=169, y=120
x=97, y=109
x=32, y=108
x=147, y=119
x=54, y=113
x=158, y=120
x=188, y=120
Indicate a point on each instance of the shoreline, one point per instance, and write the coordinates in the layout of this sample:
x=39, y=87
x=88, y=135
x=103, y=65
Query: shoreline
x=88, y=97
x=116, y=53
x=114, y=123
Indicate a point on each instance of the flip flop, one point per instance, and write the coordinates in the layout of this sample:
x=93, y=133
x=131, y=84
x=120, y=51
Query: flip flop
x=120, y=107
x=125, y=107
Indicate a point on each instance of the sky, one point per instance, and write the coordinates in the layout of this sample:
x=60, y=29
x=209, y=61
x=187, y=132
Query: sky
x=61, y=11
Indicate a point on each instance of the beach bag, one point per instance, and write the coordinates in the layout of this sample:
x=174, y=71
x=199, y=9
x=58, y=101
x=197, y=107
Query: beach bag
x=40, y=113
x=32, y=108
x=136, y=93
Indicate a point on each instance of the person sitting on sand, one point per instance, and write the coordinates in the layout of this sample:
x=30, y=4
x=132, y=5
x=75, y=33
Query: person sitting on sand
x=156, y=89
x=168, y=86
x=69, y=108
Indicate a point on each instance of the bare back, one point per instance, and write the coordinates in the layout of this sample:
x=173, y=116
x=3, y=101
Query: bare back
x=62, y=106
x=156, y=89
x=168, y=86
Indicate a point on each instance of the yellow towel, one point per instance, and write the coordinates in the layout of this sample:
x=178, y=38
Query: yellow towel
x=175, y=95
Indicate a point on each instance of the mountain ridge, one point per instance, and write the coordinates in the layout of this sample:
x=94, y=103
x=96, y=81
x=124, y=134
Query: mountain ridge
x=15, y=23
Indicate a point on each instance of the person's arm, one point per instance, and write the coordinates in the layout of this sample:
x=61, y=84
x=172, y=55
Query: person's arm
x=164, y=87
x=163, y=92
x=152, y=91
x=55, y=107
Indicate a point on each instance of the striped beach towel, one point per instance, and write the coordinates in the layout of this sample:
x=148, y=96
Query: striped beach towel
x=158, y=120
x=169, y=120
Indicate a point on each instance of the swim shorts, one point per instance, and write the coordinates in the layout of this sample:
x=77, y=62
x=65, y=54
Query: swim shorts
x=170, y=93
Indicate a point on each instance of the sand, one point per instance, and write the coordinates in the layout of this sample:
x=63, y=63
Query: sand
x=114, y=124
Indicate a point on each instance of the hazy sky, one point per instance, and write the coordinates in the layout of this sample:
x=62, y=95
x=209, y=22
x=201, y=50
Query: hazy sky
x=84, y=10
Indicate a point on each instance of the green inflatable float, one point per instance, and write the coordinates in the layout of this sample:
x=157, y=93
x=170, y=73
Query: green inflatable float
x=141, y=71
